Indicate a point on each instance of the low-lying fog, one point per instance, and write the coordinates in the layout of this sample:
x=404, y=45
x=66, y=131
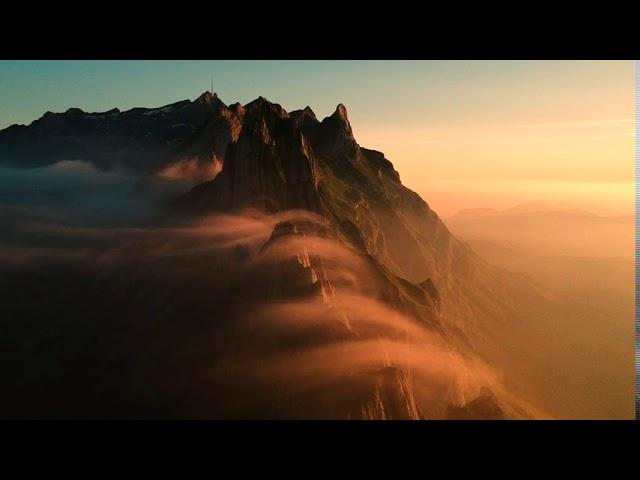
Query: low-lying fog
x=110, y=310
x=113, y=310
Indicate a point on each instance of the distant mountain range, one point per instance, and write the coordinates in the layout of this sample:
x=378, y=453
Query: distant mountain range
x=542, y=206
x=543, y=228
x=584, y=256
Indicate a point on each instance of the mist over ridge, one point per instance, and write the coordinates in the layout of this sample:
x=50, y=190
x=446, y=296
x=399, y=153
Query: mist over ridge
x=255, y=254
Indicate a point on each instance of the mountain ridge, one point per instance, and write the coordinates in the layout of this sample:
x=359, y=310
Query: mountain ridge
x=259, y=156
x=303, y=162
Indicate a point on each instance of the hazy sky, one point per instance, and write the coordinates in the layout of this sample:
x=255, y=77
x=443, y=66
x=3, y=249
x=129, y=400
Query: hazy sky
x=463, y=134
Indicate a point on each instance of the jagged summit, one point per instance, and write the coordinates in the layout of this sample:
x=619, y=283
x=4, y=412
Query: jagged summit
x=212, y=99
x=341, y=112
x=142, y=139
x=256, y=155
x=307, y=111
x=262, y=106
x=278, y=160
x=304, y=117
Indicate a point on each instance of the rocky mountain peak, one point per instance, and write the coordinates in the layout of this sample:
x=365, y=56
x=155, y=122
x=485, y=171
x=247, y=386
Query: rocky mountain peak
x=305, y=114
x=307, y=111
x=335, y=133
x=341, y=112
x=207, y=97
x=263, y=107
x=304, y=119
x=212, y=101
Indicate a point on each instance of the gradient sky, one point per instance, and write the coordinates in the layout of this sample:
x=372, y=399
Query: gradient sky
x=463, y=134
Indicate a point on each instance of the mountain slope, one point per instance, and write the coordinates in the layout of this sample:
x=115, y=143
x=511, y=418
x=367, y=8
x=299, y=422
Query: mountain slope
x=287, y=161
x=284, y=161
x=341, y=248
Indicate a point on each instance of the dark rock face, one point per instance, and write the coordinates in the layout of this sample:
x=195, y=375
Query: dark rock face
x=268, y=166
x=140, y=139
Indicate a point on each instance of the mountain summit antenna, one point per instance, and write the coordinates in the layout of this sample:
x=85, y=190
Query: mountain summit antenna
x=211, y=85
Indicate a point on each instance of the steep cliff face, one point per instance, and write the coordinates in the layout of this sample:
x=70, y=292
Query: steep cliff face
x=268, y=165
